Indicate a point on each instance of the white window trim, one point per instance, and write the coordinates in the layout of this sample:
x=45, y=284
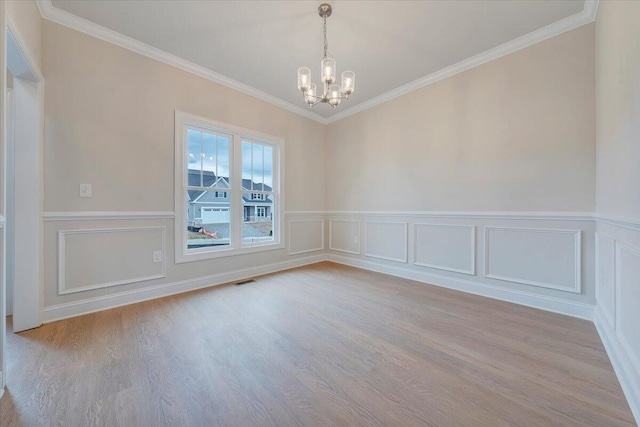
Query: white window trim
x=182, y=254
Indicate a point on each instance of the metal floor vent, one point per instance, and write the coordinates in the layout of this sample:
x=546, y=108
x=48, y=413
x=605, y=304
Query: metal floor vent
x=245, y=282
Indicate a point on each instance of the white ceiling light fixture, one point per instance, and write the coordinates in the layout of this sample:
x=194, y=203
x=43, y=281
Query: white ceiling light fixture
x=332, y=93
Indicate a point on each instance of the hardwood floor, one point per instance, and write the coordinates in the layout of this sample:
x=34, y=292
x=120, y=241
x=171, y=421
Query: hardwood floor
x=319, y=345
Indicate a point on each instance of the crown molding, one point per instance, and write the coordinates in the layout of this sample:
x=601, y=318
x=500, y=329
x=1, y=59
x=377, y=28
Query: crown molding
x=591, y=9
x=587, y=15
x=48, y=11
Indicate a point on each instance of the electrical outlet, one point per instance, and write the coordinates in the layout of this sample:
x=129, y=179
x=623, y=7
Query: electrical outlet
x=157, y=256
x=85, y=190
x=356, y=240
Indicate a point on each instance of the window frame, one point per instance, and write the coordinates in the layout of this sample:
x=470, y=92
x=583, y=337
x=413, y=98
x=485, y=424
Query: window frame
x=236, y=245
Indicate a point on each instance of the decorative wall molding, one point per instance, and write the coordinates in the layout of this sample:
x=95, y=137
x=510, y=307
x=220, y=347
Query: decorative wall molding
x=91, y=305
x=290, y=234
x=472, y=248
x=587, y=15
x=403, y=257
x=623, y=366
x=23, y=46
x=577, y=243
x=358, y=237
x=601, y=241
x=628, y=223
x=59, y=16
x=106, y=215
x=502, y=215
x=62, y=258
x=623, y=325
x=591, y=9
x=305, y=213
x=543, y=302
x=124, y=215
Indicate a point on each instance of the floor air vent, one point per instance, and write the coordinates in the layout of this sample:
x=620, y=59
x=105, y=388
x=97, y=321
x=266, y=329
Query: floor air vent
x=244, y=282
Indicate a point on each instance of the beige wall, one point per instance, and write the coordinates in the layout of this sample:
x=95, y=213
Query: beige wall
x=515, y=134
x=109, y=121
x=26, y=16
x=618, y=111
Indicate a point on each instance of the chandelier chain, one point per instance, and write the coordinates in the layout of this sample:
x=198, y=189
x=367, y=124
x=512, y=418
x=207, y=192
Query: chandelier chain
x=325, y=37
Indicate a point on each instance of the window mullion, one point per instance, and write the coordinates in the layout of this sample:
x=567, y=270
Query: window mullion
x=236, y=193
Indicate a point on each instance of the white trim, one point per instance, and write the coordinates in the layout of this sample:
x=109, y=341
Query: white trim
x=591, y=9
x=542, y=302
x=331, y=221
x=122, y=215
x=3, y=221
x=569, y=23
x=104, y=302
x=611, y=317
x=321, y=221
x=472, y=254
x=105, y=215
x=619, y=247
x=628, y=377
x=506, y=215
x=405, y=258
x=628, y=223
x=59, y=16
x=305, y=213
x=62, y=290
x=587, y=15
x=577, y=285
x=22, y=45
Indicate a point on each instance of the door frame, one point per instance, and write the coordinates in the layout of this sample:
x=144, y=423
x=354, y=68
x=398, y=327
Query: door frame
x=28, y=298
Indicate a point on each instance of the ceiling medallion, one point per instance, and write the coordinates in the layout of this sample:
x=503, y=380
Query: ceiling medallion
x=332, y=93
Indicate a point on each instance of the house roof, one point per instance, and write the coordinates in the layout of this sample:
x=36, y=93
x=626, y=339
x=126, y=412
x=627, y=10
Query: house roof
x=209, y=179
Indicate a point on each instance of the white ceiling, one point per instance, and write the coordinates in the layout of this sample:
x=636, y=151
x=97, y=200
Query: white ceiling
x=389, y=44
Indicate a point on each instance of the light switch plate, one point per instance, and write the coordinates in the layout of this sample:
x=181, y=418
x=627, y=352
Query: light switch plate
x=85, y=190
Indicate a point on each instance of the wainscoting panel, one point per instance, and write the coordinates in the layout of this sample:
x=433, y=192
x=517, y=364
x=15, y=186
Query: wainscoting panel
x=386, y=240
x=547, y=258
x=606, y=276
x=306, y=235
x=344, y=236
x=105, y=257
x=628, y=300
x=446, y=247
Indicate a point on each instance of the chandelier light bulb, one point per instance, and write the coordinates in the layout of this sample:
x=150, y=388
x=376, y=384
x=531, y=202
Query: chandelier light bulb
x=304, y=78
x=348, y=82
x=334, y=95
x=328, y=67
x=310, y=94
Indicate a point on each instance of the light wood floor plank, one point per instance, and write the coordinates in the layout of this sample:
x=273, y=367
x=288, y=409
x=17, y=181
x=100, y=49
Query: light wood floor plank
x=319, y=345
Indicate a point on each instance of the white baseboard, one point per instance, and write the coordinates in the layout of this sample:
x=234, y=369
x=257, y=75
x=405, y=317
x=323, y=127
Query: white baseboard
x=622, y=365
x=92, y=305
x=542, y=302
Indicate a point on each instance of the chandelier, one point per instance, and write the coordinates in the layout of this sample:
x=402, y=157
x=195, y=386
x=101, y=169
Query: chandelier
x=332, y=93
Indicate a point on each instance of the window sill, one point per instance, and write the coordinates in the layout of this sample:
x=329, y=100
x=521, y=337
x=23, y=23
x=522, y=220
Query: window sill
x=204, y=255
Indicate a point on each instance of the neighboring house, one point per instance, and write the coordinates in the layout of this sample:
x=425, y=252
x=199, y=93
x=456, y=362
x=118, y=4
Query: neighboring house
x=212, y=207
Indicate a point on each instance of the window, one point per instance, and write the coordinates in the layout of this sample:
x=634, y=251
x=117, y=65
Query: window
x=228, y=182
